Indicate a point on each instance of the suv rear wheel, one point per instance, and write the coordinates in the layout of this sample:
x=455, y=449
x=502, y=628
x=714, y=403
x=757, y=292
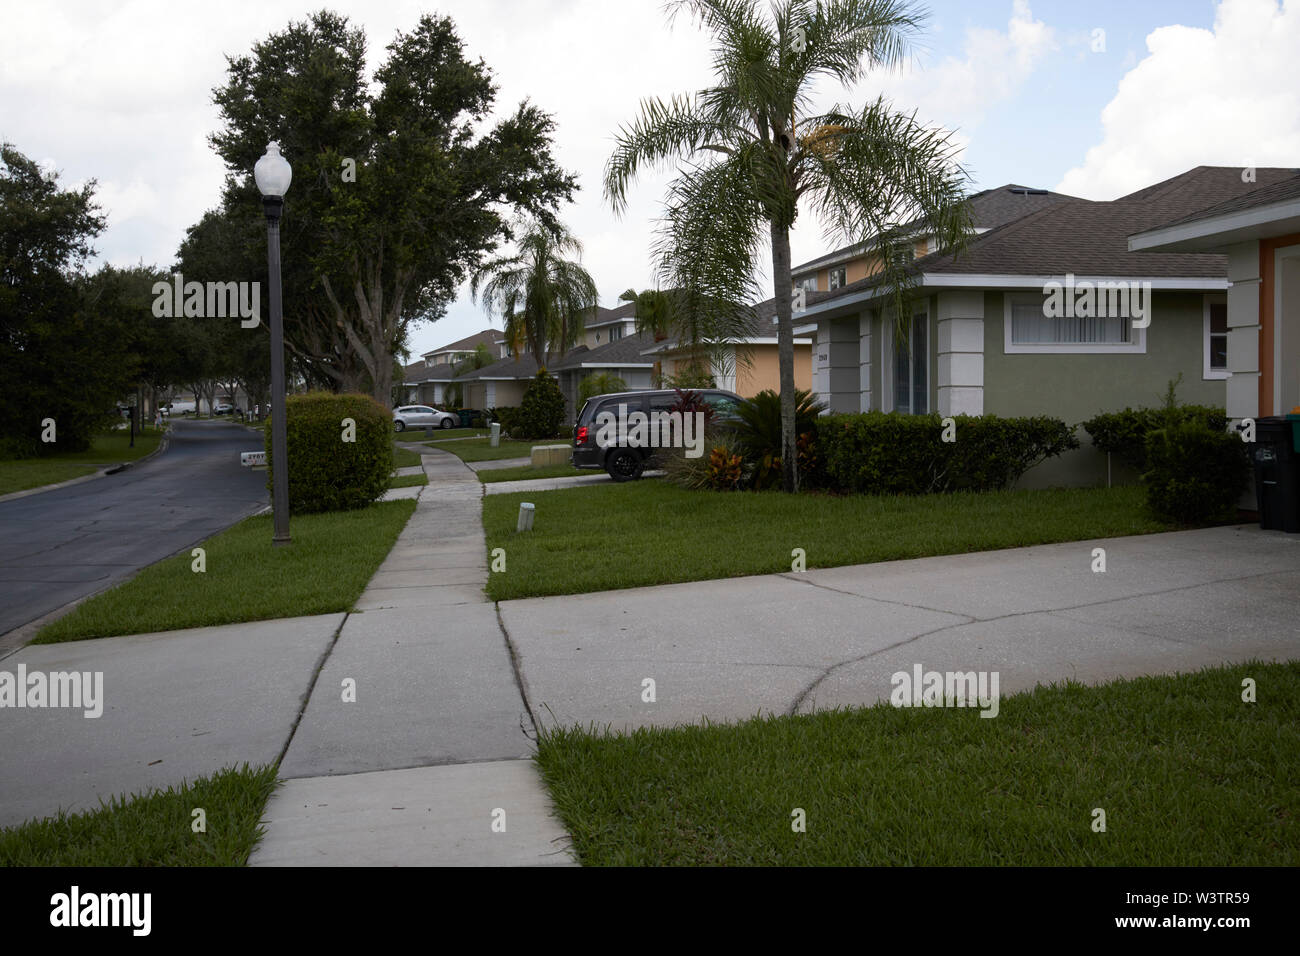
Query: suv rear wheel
x=624, y=465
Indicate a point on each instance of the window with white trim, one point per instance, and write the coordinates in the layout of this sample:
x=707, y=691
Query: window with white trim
x=1028, y=329
x=1215, y=338
x=839, y=277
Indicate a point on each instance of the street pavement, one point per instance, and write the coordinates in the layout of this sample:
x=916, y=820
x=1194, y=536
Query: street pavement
x=65, y=544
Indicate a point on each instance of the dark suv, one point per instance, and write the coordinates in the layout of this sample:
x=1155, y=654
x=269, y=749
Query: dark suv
x=623, y=460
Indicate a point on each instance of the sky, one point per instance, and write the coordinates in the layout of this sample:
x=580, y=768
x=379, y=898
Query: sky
x=1093, y=99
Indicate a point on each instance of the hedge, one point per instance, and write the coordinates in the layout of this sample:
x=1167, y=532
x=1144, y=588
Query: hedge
x=327, y=472
x=1124, y=433
x=1196, y=473
x=892, y=453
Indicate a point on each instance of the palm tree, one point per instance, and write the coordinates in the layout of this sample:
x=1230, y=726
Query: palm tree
x=541, y=296
x=749, y=150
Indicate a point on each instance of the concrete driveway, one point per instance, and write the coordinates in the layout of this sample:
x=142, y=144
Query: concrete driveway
x=793, y=643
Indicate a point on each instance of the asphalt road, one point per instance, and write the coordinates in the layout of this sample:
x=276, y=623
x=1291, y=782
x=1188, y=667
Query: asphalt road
x=61, y=545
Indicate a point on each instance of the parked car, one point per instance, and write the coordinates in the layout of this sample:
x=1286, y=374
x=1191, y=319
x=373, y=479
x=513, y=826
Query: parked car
x=180, y=408
x=626, y=462
x=223, y=408
x=418, y=416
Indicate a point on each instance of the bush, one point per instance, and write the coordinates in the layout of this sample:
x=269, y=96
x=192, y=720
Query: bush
x=325, y=472
x=722, y=467
x=759, y=434
x=1124, y=434
x=507, y=416
x=890, y=453
x=602, y=384
x=541, y=412
x=1196, y=474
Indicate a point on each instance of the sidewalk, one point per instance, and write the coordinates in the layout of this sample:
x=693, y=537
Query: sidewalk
x=436, y=745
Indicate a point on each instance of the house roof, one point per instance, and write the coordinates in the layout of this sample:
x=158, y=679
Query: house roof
x=989, y=209
x=1090, y=238
x=624, y=351
x=523, y=366
x=1269, y=211
x=488, y=337
x=602, y=316
x=418, y=372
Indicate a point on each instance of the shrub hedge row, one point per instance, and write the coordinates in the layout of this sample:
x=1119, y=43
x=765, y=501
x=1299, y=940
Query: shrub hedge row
x=1124, y=433
x=881, y=453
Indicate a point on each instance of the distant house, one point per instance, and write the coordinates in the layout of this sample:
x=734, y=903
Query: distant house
x=983, y=336
x=425, y=381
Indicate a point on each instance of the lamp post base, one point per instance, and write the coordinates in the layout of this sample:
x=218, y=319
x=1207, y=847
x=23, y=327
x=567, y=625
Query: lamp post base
x=280, y=541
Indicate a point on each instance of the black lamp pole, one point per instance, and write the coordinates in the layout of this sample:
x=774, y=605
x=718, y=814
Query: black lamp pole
x=273, y=205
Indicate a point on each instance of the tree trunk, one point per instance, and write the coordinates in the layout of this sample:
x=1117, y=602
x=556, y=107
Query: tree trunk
x=785, y=355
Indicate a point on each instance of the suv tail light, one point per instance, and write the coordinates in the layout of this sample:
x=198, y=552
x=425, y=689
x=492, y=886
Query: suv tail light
x=580, y=436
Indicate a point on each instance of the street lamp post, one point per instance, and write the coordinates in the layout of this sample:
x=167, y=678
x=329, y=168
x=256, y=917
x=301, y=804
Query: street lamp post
x=273, y=176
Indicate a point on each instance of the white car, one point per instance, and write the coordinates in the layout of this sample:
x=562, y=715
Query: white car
x=420, y=416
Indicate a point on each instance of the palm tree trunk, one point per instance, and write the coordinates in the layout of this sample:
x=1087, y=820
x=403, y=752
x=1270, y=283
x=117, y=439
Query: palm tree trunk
x=785, y=355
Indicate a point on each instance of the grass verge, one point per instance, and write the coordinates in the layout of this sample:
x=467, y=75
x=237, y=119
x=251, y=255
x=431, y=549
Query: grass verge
x=607, y=536
x=405, y=458
x=480, y=449
x=152, y=829
x=525, y=472
x=106, y=449
x=325, y=570
x=407, y=481
x=1187, y=773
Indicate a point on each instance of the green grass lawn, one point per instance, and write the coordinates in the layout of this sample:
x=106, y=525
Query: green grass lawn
x=602, y=537
x=1187, y=774
x=480, y=449
x=153, y=829
x=442, y=434
x=405, y=458
x=525, y=472
x=407, y=481
x=106, y=449
x=325, y=570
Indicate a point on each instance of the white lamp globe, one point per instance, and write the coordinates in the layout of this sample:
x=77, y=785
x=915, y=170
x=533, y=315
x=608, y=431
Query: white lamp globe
x=272, y=172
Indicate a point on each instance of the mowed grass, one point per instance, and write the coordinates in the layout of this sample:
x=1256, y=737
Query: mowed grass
x=323, y=571
x=405, y=458
x=106, y=449
x=417, y=431
x=480, y=449
x=1187, y=774
x=526, y=472
x=35, y=472
x=407, y=481
x=603, y=537
x=152, y=829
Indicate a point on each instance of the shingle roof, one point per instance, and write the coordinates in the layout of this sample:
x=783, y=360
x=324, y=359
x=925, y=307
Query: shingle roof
x=1263, y=196
x=626, y=350
x=989, y=209
x=602, y=315
x=1083, y=237
x=524, y=366
x=488, y=337
x=418, y=372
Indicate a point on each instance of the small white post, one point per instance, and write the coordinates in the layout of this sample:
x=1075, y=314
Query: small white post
x=525, y=516
x=496, y=434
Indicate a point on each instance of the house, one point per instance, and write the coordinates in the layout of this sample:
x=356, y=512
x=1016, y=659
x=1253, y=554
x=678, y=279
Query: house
x=986, y=334
x=425, y=382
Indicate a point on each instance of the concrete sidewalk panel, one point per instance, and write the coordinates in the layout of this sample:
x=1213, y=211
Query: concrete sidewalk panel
x=432, y=686
x=427, y=816
x=177, y=705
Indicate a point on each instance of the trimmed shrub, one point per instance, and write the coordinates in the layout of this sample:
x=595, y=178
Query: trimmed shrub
x=891, y=453
x=1124, y=434
x=327, y=473
x=1196, y=474
x=507, y=416
x=541, y=411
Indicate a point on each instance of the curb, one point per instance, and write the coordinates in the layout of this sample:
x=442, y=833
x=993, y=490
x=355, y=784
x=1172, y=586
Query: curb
x=110, y=470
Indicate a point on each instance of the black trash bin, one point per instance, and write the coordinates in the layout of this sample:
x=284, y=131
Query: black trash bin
x=1277, y=475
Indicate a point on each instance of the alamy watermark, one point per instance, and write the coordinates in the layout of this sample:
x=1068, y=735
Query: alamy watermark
x=207, y=300
x=1104, y=299
x=76, y=689
x=658, y=429
x=922, y=688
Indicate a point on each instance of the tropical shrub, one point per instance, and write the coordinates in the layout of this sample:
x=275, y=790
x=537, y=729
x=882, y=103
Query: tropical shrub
x=541, y=411
x=722, y=467
x=758, y=432
x=1195, y=474
x=602, y=384
x=326, y=471
x=892, y=453
x=1124, y=433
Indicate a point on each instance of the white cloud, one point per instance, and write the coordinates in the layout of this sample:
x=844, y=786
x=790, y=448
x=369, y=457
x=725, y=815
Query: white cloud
x=1221, y=97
